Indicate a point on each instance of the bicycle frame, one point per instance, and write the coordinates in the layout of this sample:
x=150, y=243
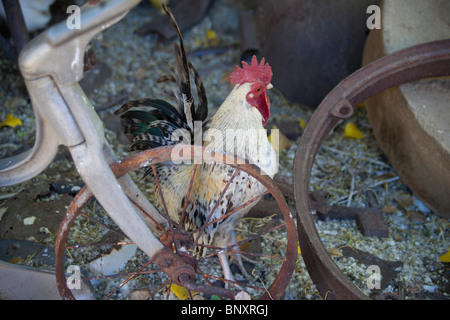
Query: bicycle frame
x=52, y=64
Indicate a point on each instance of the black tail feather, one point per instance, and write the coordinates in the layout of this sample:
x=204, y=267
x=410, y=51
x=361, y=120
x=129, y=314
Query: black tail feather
x=202, y=110
x=153, y=128
x=183, y=75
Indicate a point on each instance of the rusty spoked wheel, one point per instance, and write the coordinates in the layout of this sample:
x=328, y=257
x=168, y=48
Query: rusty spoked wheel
x=421, y=61
x=268, y=274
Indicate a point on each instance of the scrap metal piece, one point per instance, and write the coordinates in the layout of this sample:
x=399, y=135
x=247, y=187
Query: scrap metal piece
x=388, y=269
x=370, y=220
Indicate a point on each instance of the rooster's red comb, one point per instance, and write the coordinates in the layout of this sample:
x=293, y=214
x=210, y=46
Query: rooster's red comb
x=253, y=72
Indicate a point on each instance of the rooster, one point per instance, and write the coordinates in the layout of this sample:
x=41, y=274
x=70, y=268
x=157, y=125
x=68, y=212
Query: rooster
x=246, y=109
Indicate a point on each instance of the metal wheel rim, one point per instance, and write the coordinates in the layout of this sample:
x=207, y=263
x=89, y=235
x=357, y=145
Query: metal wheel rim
x=157, y=155
x=414, y=63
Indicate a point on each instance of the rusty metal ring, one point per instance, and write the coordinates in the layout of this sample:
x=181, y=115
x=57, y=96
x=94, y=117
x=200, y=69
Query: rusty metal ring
x=175, y=266
x=414, y=63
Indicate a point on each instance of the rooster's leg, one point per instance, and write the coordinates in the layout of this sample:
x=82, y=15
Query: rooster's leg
x=225, y=257
x=225, y=267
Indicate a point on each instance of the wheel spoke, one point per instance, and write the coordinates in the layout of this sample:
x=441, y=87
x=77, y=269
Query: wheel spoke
x=163, y=201
x=202, y=228
x=161, y=228
x=186, y=200
x=134, y=274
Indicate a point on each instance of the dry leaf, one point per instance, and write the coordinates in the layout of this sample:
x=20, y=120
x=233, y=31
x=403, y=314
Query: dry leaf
x=445, y=257
x=11, y=121
x=335, y=252
x=181, y=292
x=278, y=140
x=242, y=295
x=140, y=73
x=245, y=245
x=16, y=260
x=302, y=123
x=158, y=3
x=390, y=209
x=404, y=199
x=351, y=131
x=212, y=38
x=140, y=294
x=417, y=216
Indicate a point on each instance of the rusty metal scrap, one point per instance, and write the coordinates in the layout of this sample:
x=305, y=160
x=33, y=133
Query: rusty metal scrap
x=370, y=220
